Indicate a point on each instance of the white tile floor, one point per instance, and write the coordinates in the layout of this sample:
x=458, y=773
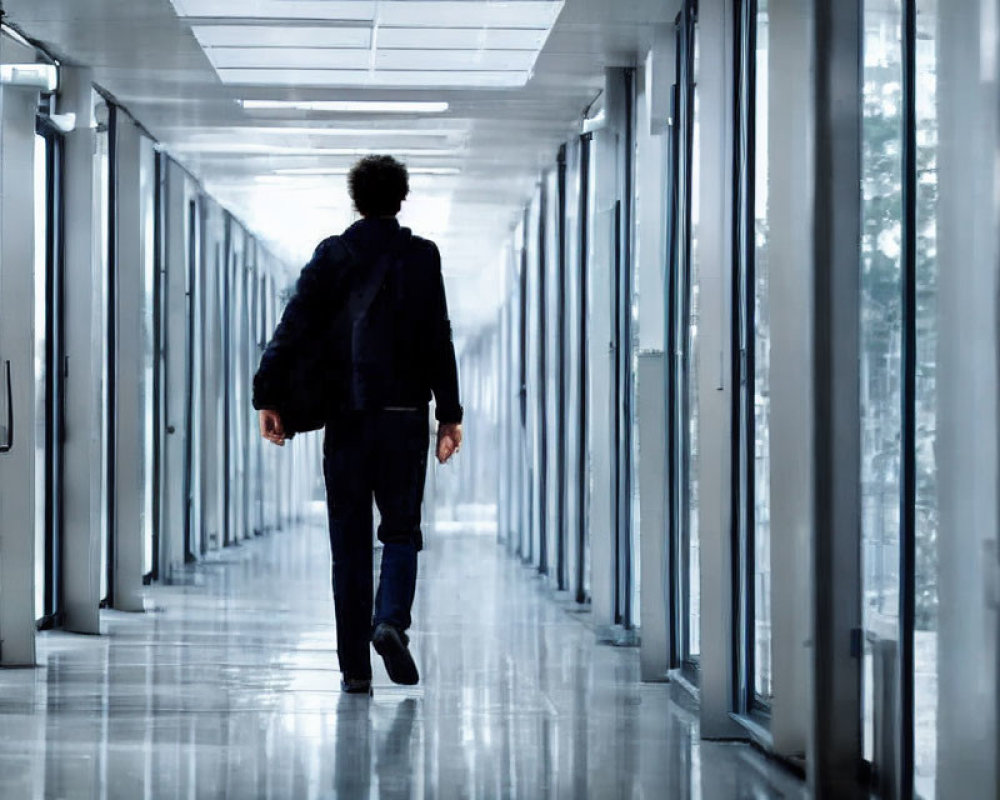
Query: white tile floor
x=228, y=688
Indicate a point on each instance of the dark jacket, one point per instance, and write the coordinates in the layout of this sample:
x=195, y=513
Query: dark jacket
x=406, y=350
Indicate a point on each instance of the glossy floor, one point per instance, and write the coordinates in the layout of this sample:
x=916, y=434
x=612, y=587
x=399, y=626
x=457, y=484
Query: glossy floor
x=228, y=687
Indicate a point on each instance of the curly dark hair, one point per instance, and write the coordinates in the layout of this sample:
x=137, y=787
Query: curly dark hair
x=378, y=186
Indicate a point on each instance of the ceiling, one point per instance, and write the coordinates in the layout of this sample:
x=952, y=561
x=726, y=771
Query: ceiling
x=190, y=71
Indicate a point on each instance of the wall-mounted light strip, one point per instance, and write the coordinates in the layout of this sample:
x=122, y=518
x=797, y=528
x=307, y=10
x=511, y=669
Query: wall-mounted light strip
x=348, y=106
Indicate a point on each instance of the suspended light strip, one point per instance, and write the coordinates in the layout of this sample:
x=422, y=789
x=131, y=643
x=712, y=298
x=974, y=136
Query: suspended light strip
x=348, y=106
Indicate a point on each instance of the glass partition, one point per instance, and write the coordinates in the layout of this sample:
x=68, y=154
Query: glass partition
x=926, y=401
x=42, y=376
x=751, y=365
x=682, y=343
x=147, y=212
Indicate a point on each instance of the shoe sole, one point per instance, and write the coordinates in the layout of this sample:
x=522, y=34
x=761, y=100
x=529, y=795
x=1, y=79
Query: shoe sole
x=398, y=661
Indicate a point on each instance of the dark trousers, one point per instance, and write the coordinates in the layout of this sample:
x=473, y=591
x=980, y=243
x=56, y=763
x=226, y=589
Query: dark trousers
x=380, y=454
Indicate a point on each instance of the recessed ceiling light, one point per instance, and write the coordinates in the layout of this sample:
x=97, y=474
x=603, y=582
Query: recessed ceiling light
x=348, y=106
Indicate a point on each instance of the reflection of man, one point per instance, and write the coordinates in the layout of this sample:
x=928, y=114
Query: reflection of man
x=399, y=351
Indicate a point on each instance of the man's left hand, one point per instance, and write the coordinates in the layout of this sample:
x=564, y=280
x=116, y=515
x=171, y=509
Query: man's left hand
x=449, y=441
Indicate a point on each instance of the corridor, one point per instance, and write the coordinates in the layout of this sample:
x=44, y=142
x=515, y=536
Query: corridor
x=228, y=687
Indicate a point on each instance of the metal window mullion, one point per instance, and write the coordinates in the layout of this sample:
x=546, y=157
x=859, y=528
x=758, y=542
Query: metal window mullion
x=582, y=478
x=743, y=326
x=672, y=564
x=561, y=377
x=111, y=349
x=625, y=357
x=541, y=406
x=56, y=211
x=908, y=486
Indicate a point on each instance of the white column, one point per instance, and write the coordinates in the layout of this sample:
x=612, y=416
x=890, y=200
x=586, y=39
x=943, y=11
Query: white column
x=789, y=254
x=968, y=401
x=83, y=477
x=834, y=754
x=655, y=85
x=17, y=467
x=175, y=324
x=715, y=391
x=130, y=436
x=600, y=277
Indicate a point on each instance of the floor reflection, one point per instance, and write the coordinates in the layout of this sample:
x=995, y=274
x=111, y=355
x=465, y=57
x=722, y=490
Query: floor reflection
x=227, y=687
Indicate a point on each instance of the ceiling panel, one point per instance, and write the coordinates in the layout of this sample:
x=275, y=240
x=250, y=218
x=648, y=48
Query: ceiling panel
x=288, y=58
x=278, y=9
x=461, y=38
x=283, y=36
x=503, y=60
x=466, y=14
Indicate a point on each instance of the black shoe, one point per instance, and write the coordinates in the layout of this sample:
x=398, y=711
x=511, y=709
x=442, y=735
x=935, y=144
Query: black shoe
x=356, y=685
x=391, y=644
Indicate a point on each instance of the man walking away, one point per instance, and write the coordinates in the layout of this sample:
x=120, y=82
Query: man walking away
x=384, y=354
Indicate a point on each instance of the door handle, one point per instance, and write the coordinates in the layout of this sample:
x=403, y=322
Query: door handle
x=8, y=443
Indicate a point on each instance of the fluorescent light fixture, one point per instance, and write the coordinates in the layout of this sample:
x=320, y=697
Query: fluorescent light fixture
x=287, y=58
x=282, y=36
x=42, y=77
x=487, y=79
x=348, y=106
x=461, y=38
x=320, y=171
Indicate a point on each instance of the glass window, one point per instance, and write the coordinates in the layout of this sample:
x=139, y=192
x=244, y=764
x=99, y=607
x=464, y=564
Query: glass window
x=761, y=377
x=881, y=353
x=147, y=178
x=691, y=471
x=926, y=517
x=684, y=310
x=103, y=181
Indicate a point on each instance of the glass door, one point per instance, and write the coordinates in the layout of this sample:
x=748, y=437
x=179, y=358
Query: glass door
x=898, y=395
x=623, y=321
x=682, y=343
x=751, y=344
x=49, y=356
x=105, y=235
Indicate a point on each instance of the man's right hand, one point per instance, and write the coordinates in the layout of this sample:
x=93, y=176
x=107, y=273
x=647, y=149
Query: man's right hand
x=271, y=427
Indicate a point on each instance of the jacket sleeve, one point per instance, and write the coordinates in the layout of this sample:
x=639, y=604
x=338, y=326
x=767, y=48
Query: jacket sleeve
x=270, y=382
x=444, y=369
